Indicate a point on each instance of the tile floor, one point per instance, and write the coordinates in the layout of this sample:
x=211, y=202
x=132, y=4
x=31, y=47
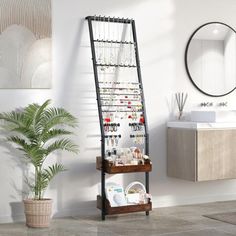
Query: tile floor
x=170, y=221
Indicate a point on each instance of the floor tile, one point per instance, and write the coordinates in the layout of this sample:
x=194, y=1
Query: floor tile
x=171, y=221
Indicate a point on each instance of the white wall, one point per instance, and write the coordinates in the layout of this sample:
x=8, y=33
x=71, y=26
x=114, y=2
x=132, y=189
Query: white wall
x=163, y=28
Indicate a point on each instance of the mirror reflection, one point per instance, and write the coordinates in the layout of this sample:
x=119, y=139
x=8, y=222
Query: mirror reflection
x=210, y=59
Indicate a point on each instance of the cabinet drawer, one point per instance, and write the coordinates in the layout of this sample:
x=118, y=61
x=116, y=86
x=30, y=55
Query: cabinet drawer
x=181, y=153
x=216, y=154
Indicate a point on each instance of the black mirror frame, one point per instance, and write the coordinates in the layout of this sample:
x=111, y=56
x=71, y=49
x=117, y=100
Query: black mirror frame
x=186, y=62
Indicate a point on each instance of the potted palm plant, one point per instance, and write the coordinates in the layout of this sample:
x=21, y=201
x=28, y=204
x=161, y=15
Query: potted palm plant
x=38, y=131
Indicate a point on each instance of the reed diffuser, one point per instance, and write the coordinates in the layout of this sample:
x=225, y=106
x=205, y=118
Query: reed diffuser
x=181, y=100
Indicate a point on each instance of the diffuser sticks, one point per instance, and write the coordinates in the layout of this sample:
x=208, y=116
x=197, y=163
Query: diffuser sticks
x=181, y=100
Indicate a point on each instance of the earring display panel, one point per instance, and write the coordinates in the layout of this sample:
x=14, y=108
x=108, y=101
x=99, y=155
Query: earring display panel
x=121, y=105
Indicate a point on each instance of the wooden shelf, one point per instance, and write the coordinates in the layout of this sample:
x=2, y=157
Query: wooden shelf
x=147, y=167
x=122, y=209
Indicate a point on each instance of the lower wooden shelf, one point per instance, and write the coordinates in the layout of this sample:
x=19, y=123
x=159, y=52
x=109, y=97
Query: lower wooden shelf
x=123, y=209
x=147, y=167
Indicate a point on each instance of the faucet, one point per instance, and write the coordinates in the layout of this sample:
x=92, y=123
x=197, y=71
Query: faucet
x=206, y=104
x=223, y=104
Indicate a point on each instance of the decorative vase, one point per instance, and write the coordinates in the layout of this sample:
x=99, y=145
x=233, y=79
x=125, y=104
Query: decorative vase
x=38, y=212
x=180, y=115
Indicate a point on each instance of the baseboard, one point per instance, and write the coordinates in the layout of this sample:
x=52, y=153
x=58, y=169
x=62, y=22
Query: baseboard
x=11, y=219
x=157, y=202
x=88, y=210
x=168, y=201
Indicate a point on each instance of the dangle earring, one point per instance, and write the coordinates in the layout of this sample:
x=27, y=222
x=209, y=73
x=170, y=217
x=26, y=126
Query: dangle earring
x=111, y=117
x=105, y=127
x=112, y=141
x=99, y=43
x=116, y=115
x=131, y=46
x=141, y=119
x=103, y=48
x=107, y=141
x=117, y=141
x=108, y=47
x=115, y=128
x=143, y=139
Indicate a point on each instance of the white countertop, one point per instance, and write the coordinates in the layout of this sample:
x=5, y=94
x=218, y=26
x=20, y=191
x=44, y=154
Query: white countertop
x=199, y=125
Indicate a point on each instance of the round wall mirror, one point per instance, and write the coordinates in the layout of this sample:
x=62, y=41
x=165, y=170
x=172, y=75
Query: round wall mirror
x=210, y=59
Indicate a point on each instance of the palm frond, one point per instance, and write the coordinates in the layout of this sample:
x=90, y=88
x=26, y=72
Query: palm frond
x=38, y=117
x=14, y=117
x=30, y=112
x=19, y=141
x=58, y=116
x=35, y=154
x=41, y=109
x=54, y=133
x=16, y=121
x=62, y=144
x=31, y=151
x=26, y=132
x=49, y=173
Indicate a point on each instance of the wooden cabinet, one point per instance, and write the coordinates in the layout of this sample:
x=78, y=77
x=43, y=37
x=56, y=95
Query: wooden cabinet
x=201, y=155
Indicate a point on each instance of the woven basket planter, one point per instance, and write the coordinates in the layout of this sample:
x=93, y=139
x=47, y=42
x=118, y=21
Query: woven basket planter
x=38, y=212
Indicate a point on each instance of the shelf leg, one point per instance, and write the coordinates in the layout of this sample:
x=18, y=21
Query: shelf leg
x=103, y=185
x=147, y=181
x=147, y=187
x=103, y=216
x=103, y=195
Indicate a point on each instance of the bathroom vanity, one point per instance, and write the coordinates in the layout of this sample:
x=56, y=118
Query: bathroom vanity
x=201, y=151
x=205, y=148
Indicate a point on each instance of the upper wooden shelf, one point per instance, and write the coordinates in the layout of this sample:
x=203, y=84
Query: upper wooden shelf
x=122, y=169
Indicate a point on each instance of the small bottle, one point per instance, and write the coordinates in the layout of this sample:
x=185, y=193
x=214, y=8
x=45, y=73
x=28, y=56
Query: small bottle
x=114, y=156
x=108, y=156
x=118, y=160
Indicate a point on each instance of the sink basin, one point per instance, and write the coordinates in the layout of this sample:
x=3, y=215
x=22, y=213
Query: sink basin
x=213, y=116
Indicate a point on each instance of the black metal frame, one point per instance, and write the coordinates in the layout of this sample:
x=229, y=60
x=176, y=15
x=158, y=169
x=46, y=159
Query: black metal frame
x=186, y=59
x=100, y=111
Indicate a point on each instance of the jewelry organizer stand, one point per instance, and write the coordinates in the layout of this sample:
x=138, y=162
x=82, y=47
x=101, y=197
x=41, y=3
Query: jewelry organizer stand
x=113, y=93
